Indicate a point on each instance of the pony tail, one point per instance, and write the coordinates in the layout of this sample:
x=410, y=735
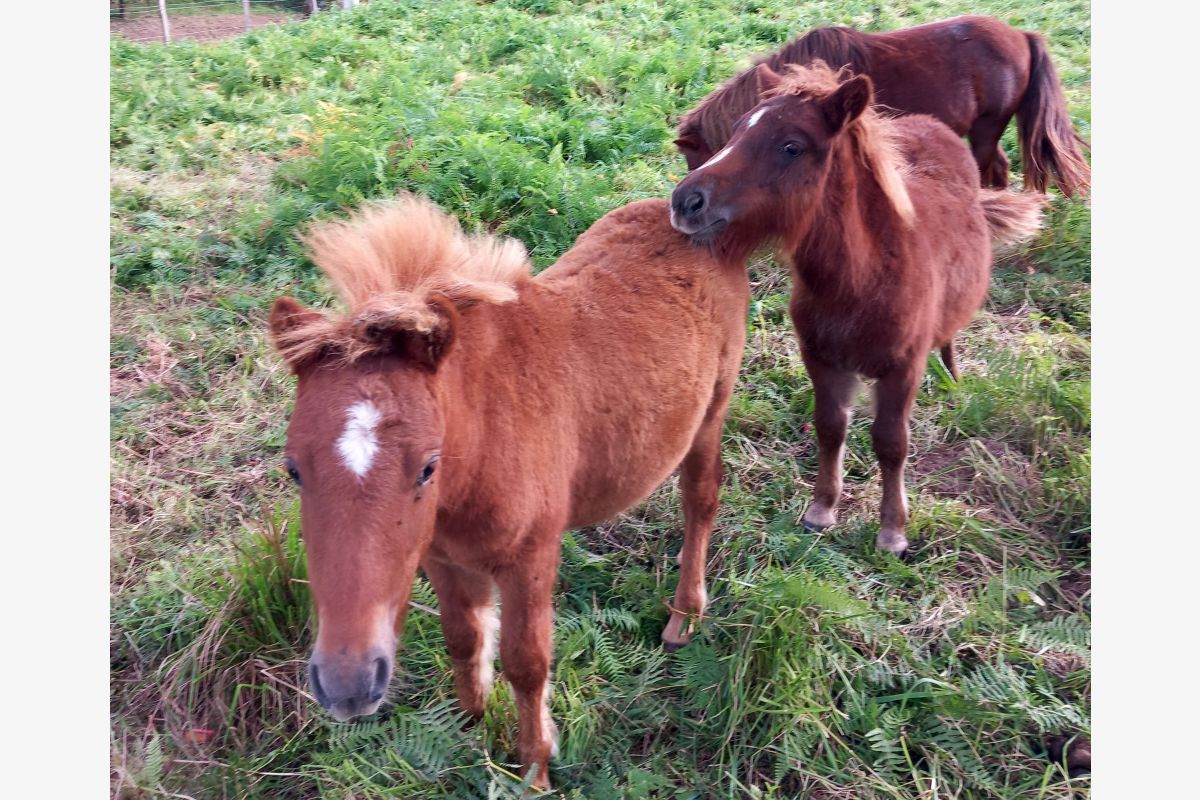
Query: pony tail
x=1049, y=143
x=1012, y=217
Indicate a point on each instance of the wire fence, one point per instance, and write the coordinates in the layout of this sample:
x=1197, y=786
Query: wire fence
x=162, y=21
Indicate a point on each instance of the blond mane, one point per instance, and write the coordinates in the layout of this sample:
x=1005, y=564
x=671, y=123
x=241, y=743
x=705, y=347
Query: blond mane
x=873, y=135
x=388, y=262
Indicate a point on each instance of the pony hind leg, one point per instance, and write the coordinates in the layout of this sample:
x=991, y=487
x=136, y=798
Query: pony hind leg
x=894, y=395
x=470, y=623
x=700, y=484
x=526, y=648
x=989, y=155
x=834, y=392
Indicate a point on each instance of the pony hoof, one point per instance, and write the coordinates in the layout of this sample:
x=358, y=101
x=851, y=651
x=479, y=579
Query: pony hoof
x=817, y=518
x=678, y=631
x=892, y=542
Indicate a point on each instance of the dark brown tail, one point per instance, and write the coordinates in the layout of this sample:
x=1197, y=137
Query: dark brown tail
x=1011, y=216
x=1049, y=144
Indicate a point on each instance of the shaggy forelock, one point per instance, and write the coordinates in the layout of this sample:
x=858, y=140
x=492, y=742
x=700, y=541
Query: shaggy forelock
x=388, y=263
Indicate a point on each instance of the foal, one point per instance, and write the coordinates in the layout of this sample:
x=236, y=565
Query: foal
x=887, y=232
x=973, y=73
x=462, y=414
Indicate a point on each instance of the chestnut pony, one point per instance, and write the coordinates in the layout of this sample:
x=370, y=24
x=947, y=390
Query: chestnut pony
x=972, y=73
x=461, y=414
x=887, y=232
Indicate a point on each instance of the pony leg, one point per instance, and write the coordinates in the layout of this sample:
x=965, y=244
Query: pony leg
x=948, y=361
x=700, y=483
x=894, y=395
x=526, y=633
x=989, y=155
x=470, y=623
x=1000, y=169
x=834, y=391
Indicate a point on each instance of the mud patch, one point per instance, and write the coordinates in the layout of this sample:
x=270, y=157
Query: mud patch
x=980, y=468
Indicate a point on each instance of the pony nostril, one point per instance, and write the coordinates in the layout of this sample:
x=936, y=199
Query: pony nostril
x=693, y=202
x=381, y=679
x=315, y=680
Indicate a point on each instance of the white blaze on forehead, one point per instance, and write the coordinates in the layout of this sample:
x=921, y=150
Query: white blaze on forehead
x=359, y=444
x=750, y=123
x=713, y=160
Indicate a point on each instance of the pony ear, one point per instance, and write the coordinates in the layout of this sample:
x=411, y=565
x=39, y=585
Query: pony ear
x=286, y=315
x=849, y=101
x=694, y=150
x=421, y=334
x=768, y=79
x=428, y=349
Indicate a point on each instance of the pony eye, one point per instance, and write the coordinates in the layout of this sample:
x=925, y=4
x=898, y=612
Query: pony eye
x=292, y=471
x=791, y=149
x=427, y=472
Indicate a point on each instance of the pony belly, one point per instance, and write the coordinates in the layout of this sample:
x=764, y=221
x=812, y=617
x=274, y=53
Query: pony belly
x=614, y=481
x=592, y=510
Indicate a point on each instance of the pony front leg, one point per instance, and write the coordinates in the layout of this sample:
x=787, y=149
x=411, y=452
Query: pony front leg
x=700, y=483
x=894, y=395
x=833, y=391
x=470, y=623
x=526, y=649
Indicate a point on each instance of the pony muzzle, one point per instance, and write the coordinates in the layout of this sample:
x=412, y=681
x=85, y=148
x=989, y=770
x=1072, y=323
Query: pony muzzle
x=692, y=213
x=349, y=687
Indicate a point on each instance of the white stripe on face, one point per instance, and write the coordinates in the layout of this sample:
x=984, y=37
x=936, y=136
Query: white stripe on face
x=750, y=123
x=358, y=443
x=713, y=160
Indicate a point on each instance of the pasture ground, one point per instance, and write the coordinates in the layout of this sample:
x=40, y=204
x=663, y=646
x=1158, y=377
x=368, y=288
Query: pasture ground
x=824, y=669
x=207, y=20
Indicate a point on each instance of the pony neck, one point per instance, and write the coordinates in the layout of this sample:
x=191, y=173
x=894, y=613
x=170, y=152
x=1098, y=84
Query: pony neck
x=468, y=379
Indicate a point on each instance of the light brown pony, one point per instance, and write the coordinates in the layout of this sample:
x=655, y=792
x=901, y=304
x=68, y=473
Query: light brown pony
x=461, y=414
x=972, y=73
x=887, y=232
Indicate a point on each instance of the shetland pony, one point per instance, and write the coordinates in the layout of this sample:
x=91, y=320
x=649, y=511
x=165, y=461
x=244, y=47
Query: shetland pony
x=461, y=414
x=972, y=73
x=887, y=232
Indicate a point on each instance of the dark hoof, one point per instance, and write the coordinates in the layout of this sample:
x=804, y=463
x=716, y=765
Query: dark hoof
x=671, y=647
x=1078, y=753
x=813, y=527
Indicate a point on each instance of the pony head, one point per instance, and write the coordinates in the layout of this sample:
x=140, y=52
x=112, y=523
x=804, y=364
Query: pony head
x=365, y=438
x=770, y=177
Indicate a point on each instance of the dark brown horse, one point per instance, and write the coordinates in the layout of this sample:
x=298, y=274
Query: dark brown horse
x=972, y=73
x=462, y=414
x=889, y=238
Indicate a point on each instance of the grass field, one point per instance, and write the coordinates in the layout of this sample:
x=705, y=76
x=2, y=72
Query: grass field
x=824, y=669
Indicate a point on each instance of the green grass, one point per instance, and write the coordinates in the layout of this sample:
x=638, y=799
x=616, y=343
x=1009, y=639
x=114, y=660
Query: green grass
x=823, y=669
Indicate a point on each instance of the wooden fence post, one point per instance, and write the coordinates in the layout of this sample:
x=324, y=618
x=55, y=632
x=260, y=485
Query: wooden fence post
x=166, y=26
x=246, y=13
